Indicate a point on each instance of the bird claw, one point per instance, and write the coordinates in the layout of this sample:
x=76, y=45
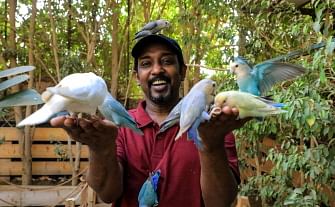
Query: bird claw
x=216, y=111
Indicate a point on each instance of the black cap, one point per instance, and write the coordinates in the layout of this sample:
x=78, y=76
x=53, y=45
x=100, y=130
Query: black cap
x=157, y=38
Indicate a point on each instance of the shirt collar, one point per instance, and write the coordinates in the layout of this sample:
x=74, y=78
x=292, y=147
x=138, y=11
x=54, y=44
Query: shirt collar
x=141, y=116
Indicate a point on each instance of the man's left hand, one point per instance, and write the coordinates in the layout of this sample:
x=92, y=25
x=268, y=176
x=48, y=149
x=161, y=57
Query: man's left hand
x=213, y=131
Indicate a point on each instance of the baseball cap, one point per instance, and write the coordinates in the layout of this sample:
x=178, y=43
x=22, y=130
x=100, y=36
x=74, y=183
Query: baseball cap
x=157, y=38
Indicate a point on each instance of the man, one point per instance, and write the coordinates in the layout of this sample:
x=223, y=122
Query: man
x=121, y=160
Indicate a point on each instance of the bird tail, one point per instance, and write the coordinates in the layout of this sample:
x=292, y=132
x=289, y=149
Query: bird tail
x=38, y=117
x=134, y=127
x=278, y=105
x=273, y=111
x=114, y=111
x=180, y=132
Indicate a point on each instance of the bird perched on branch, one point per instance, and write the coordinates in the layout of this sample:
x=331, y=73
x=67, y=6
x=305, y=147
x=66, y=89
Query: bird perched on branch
x=81, y=93
x=260, y=78
x=247, y=104
x=152, y=28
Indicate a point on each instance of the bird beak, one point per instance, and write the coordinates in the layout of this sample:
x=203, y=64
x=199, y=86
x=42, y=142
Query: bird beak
x=232, y=68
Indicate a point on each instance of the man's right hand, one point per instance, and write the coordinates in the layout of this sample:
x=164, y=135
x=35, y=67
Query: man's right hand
x=94, y=131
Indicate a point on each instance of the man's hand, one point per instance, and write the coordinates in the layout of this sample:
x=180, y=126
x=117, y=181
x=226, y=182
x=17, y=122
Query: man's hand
x=221, y=123
x=93, y=131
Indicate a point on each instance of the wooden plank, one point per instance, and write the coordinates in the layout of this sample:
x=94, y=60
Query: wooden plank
x=36, y=195
x=4, y=180
x=242, y=201
x=39, y=134
x=9, y=133
x=47, y=134
x=265, y=166
x=8, y=150
x=39, y=168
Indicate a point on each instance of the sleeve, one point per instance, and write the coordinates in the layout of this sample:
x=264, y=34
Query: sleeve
x=231, y=152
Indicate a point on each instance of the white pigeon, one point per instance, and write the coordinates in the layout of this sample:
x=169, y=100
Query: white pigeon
x=80, y=93
x=152, y=28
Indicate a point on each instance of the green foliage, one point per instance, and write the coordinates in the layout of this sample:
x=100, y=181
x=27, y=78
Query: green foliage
x=60, y=150
x=306, y=131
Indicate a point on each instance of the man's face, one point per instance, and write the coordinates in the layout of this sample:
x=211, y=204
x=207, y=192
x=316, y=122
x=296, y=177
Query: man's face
x=159, y=73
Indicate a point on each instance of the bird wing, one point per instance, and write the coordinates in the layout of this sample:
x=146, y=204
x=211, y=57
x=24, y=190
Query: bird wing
x=142, y=34
x=117, y=109
x=149, y=26
x=246, y=101
x=191, y=109
x=80, y=93
x=270, y=73
x=114, y=111
x=172, y=118
x=81, y=87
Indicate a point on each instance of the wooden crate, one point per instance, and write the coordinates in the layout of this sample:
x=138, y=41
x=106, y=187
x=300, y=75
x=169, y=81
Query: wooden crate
x=50, y=152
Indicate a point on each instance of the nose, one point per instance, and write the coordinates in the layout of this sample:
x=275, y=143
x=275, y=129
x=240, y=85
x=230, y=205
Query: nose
x=157, y=68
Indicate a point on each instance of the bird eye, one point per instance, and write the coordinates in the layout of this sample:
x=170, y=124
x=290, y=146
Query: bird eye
x=236, y=66
x=214, y=84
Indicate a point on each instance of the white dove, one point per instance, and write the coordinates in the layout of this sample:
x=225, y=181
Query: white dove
x=152, y=28
x=80, y=93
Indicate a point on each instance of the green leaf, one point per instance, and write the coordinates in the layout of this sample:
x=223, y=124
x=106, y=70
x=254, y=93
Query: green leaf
x=322, y=76
x=17, y=70
x=21, y=98
x=330, y=46
x=13, y=81
x=310, y=120
x=316, y=26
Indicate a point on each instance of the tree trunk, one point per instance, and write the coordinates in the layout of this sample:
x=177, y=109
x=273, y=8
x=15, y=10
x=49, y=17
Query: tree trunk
x=198, y=52
x=241, y=41
x=17, y=110
x=115, y=49
x=54, y=41
x=69, y=28
x=190, y=30
x=27, y=130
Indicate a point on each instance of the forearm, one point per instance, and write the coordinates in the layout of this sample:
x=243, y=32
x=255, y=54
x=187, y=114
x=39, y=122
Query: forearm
x=218, y=184
x=105, y=174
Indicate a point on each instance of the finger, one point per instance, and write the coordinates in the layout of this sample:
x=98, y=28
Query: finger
x=86, y=125
x=235, y=111
x=58, y=121
x=70, y=122
x=229, y=114
x=227, y=110
x=101, y=124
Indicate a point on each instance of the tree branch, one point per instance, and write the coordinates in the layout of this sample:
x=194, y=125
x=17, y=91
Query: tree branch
x=207, y=67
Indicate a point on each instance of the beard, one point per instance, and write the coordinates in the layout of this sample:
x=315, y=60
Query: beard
x=165, y=96
x=161, y=98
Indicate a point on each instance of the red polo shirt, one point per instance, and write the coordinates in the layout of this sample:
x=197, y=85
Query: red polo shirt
x=179, y=183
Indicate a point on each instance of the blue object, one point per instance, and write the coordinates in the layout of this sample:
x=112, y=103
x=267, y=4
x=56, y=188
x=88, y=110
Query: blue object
x=260, y=78
x=147, y=196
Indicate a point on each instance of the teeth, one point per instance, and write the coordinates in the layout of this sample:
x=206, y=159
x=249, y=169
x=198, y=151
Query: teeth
x=157, y=82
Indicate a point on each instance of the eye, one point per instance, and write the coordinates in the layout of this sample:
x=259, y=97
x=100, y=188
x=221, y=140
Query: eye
x=145, y=63
x=168, y=61
x=214, y=85
x=236, y=66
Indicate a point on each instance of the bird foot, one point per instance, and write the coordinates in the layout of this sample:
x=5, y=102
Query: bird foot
x=216, y=111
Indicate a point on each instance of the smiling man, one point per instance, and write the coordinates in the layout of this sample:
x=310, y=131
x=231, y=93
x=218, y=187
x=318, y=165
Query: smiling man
x=121, y=160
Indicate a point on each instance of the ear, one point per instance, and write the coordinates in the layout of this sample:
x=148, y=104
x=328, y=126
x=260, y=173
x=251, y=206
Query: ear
x=137, y=78
x=183, y=72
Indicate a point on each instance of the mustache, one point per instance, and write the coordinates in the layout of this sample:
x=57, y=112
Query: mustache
x=157, y=78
